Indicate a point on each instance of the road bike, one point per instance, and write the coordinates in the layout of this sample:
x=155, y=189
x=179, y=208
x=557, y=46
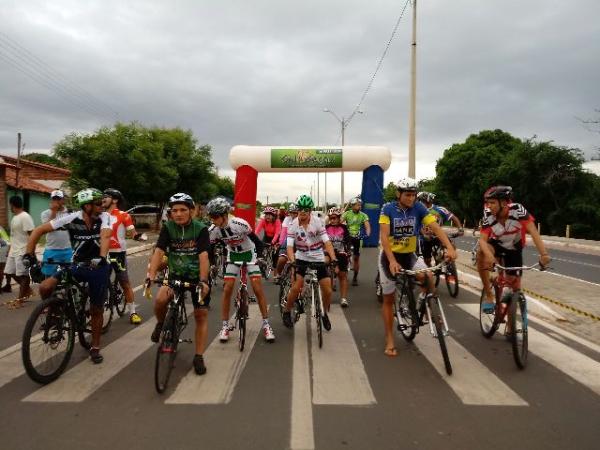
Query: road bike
x=217, y=269
x=510, y=308
x=173, y=325
x=286, y=279
x=242, y=299
x=448, y=268
x=410, y=315
x=49, y=334
x=269, y=253
x=116, y=295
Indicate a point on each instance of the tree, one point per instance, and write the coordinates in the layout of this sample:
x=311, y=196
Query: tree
x=44, y=159
x=146, y=164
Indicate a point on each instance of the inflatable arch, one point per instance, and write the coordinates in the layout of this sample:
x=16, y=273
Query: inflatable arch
x=248, y=161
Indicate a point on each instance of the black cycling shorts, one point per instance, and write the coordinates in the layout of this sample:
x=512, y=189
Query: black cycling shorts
x=343, y=261
x=96, y=278
x=427, y=246
x=121, y=257
x=355, y=241
x=301, y=267
x=511, y=258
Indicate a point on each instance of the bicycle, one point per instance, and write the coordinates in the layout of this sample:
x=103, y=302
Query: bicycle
x=410, y=316
x=311, y=284
x=173, y=325
x=510, y=301
x=285, y=284
x=268, y=254
x=116, y=294
x=217, y=270
x=51, y=327
x=242, y=298
x=448, y=269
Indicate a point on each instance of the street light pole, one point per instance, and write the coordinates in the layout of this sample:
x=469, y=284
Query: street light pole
x=343, y=122
x=413, y=96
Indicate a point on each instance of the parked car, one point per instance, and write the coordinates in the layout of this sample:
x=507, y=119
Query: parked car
x=145, y=216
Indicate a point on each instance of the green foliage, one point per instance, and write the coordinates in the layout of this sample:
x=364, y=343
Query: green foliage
x=389, y=192
x=44, y=159
x=548, y=180
x=146, y=164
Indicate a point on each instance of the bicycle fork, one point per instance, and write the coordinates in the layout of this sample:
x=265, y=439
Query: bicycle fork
x=445, y=329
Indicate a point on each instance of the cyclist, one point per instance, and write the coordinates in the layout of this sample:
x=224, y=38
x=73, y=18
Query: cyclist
x=340, y=239
x=89, y=231
x=442, y=215
x=185, y=241
x=282, y=254
x=58, y=243
x=400, y=223
x=122, y=225
x=355, y=219
x=242, y=246
x=307, y=235
x=503, y=234
x=271, y=227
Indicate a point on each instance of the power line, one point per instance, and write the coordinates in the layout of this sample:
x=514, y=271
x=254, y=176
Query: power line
x=40, y=68
x=379, y=64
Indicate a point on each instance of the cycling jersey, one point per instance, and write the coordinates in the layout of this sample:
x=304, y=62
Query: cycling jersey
x=120, y=223
x=339, y=237
x=183, y=245
x=85, y=241
x=441, y=215
x=309, y=241
x=354, y=221
x=284, y=227
x=405, y=225
x=271, y=229
x=236, y=235
x=511, y=235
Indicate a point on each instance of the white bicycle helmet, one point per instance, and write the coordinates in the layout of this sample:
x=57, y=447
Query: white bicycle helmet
x=355, y=201
x=407, y=184
x=181, y=197
x=335, y=211
x=218, y=207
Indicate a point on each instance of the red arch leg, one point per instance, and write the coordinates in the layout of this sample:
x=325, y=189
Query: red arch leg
x=245, y=193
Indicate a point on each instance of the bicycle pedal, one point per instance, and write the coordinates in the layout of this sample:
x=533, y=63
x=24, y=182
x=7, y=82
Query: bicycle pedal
x=188, y=341
x=252, y=299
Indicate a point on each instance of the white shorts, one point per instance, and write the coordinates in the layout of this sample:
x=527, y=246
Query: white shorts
x=233, y=270
x=14, y=266
x=408, y=261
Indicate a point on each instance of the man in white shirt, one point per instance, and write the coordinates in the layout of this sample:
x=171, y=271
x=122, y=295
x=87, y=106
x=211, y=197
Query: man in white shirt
x=58, y=243
x=21, y=226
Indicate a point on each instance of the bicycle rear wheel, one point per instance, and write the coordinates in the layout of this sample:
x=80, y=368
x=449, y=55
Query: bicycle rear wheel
x=488, y=322
x=438, y=321
x=284, y=288
x=451, y=276
x=406, y=315
x=318, y=317
x=519, y=336
x=48, y=340
x=378, y=290
x=242, y=315
x=166, y=351
x=117, y=296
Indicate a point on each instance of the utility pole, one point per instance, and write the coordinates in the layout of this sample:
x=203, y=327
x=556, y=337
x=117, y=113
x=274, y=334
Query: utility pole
x=413, y=95
x=18, y=158
x=342, y=183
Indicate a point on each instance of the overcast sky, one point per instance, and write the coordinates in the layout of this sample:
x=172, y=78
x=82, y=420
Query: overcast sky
x=260, y=72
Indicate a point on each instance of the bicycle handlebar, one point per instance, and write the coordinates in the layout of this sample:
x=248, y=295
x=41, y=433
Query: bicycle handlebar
x=415, y=272
x=533, y=266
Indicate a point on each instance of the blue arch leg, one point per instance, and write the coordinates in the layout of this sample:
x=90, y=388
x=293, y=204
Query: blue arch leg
x=372, y=198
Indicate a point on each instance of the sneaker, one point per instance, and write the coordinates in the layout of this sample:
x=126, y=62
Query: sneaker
x=95, y=355
x=344, y=303
x=268, y=332
x=488, y=307
x=7, y=288
x=287, y=319
x=155, y=336
x=199, y=366
x=135, y=319
x=326, y=322
x=354, y=282
x=224, y=334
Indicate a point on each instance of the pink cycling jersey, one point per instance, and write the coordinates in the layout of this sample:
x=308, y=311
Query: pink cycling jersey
x=271, y=229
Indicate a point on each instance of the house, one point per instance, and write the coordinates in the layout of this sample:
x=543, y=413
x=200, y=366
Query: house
x=31, y=180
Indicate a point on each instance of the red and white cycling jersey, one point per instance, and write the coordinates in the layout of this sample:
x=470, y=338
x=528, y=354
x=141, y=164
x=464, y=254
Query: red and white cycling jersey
x=120, y=222
x=511, y=235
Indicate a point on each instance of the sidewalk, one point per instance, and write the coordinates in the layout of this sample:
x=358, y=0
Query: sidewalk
x=565, y=302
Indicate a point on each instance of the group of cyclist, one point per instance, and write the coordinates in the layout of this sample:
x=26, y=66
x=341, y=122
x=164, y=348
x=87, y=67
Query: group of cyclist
x=185, y=243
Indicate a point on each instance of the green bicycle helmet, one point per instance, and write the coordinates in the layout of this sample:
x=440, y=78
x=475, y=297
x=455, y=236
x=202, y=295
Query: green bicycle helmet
x=86, y=196
x=305, y=202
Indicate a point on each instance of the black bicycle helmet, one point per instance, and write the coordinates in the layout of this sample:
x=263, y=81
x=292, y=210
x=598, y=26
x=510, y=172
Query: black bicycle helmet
x=498, y=192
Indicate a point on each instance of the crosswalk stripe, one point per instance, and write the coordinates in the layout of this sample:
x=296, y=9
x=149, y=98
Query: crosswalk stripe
x=339, y=376
x=225, y=365
x=301, y=418
x=85, y=378
x=566, y=359
x=471, y=381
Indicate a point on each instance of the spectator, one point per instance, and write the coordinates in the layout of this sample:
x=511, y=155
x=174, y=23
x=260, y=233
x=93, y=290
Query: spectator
x=21, y=226
x=4, y=246
x=58, y=243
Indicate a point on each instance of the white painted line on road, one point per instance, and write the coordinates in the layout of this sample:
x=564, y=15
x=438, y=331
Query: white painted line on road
x=570, y=261
x=554, y=328
x=302, y=436
x=471, y=381
x=569, y=361
x=85, y=378
x=225, y=364
x=339, y=376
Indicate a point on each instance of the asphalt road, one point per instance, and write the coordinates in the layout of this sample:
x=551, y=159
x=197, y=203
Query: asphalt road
x=577, y=265
x=291, y=394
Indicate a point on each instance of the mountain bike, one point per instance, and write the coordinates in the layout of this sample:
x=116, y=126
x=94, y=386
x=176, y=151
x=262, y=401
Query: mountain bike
x=510, y=309
x=173, y=325
x=410, y=315
x=49, y=334
x=448, y=268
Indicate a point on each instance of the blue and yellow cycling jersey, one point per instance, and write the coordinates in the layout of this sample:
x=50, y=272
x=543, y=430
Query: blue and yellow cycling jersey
x=405, y=225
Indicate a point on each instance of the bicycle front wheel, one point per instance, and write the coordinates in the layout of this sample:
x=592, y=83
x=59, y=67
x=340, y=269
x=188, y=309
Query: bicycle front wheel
x=488, y=321
x=117, y=297
x=242, y=315
x=519, y=336
x=318, y=317
x=48, y=340
x=405, y=312
x=438, y=321
x=166, y=352
x=284, y=289
x=451, y=276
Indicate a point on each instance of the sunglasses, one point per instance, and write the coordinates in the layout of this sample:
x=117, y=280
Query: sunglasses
x=305, y=210
x=97, y=203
